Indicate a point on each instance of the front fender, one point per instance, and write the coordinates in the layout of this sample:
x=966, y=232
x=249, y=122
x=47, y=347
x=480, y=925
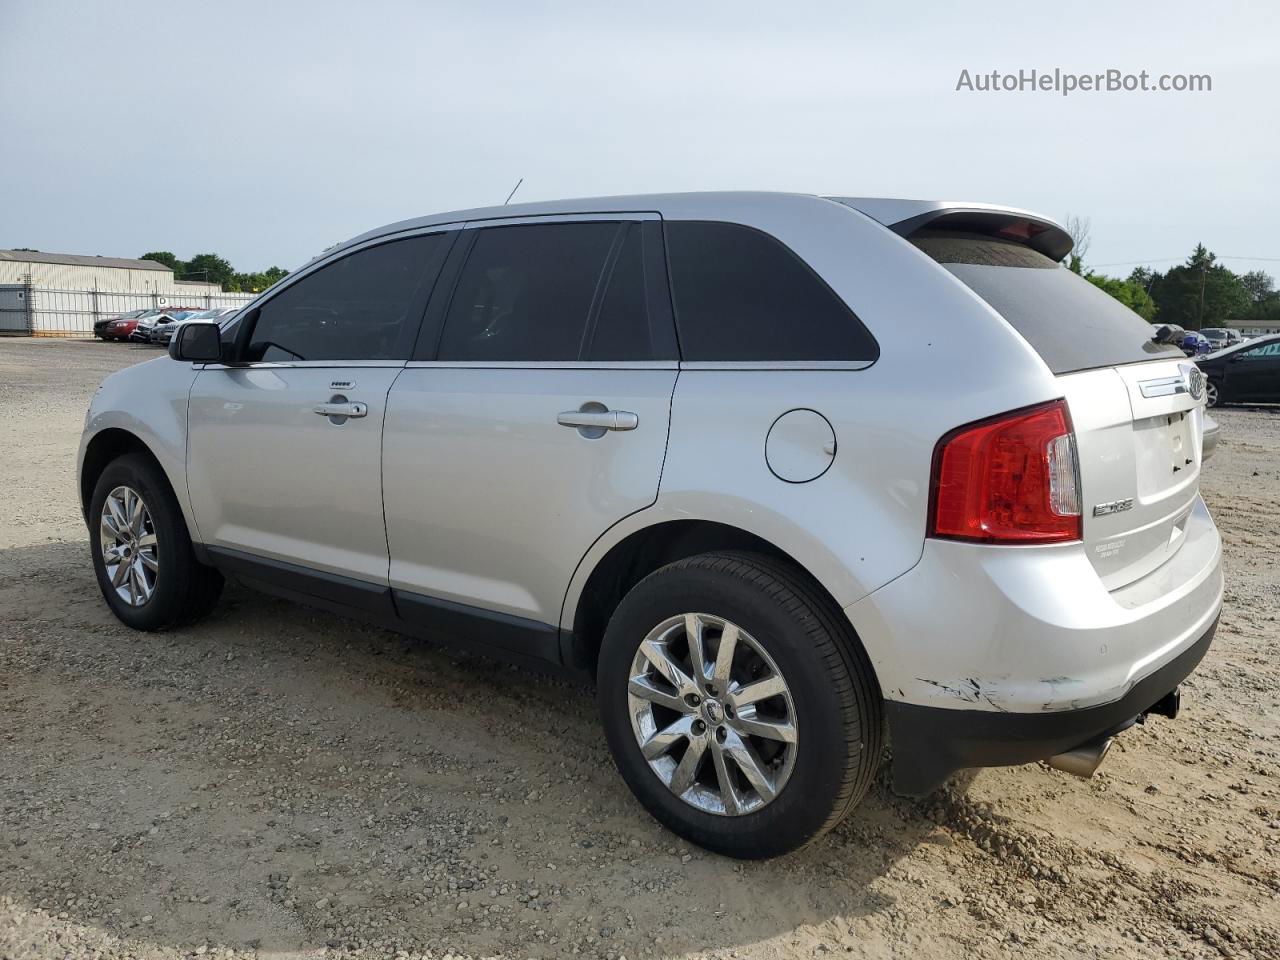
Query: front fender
x=149, y=402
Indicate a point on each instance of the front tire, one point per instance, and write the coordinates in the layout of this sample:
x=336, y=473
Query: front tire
x=1212, y=393
x=738, y=706
x=142, y=555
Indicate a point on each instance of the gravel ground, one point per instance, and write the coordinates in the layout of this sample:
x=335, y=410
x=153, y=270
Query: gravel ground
x=280, y=782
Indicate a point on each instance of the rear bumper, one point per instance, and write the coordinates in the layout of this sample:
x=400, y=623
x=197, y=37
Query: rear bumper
x=932, y=743
x=990, y=655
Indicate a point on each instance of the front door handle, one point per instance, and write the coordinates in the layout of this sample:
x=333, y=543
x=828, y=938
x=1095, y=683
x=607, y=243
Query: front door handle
x=342, y=409
x=599, y=419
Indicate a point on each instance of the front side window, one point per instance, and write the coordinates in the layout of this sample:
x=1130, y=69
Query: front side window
x=527, y=292
x=364, y=306
x=742, y=295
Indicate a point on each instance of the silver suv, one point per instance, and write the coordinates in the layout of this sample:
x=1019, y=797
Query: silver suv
x=787, y=475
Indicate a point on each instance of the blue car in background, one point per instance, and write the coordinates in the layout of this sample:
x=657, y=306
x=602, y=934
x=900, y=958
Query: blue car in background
x=1195, y=345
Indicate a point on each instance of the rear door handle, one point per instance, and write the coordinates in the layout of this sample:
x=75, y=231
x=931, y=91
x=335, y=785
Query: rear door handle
x=342, y=409
x=603, y=419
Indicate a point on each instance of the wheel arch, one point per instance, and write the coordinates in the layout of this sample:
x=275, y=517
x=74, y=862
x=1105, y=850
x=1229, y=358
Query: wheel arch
x=644, y=550
x=104, y=447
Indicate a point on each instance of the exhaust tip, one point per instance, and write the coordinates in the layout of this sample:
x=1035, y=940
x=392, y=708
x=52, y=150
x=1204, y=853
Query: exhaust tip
x=1084, y=760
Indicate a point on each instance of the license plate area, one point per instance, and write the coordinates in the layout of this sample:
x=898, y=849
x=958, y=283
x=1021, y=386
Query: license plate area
x=1166, y=454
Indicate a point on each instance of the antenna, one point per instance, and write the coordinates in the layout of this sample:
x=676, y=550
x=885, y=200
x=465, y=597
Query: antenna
x=513, y=191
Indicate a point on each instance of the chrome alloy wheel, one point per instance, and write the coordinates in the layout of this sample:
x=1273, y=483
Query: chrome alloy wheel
x=1210, y=393
x=129, y=550
x=712, y=714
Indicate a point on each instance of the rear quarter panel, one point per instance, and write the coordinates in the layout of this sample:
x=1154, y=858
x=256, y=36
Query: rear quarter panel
x=945, y=359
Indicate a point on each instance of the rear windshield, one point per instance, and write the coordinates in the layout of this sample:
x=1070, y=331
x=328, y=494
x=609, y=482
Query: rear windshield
x=1067, y=320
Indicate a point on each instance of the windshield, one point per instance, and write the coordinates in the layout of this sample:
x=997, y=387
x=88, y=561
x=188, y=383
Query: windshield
x=1072, y=324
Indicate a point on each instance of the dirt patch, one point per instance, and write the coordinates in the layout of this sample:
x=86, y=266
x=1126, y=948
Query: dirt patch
x=280, y=782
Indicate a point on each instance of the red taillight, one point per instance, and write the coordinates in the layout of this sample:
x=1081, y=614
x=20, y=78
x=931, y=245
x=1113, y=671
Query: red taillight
x=1010, y=479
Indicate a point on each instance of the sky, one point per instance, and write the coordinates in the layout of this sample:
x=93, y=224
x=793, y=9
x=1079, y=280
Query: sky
x=266, y=132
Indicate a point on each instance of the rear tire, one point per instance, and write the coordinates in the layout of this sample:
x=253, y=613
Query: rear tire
x=786, y=792
x=142, y=554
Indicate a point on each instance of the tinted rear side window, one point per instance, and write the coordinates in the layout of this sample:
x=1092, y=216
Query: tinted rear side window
x=1067, y=320
x=741, y=295
x=526, y=292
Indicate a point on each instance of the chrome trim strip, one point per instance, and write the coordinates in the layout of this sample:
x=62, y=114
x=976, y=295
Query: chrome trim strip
x=777, y=365
x=544, y=364
x=1163, y=387
x=310, y=365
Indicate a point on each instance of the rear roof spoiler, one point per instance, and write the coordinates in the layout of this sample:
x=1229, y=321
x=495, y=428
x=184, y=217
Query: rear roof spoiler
x=905, y=217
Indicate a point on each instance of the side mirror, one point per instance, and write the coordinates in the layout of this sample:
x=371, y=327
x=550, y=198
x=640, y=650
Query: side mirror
x=197, y=342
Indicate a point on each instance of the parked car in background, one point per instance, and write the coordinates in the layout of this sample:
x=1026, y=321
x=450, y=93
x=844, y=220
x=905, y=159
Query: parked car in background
x=164, y=332
x=722, y=452
x=122, y=328
x=100, y=326
x=145, y=331
x=1221, y=337
x=1249, y=372
x=1193, y=344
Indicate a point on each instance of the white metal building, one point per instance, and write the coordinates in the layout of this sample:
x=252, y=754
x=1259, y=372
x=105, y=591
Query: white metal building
x=1256, y=328
x=61, y=295
x=66, y=271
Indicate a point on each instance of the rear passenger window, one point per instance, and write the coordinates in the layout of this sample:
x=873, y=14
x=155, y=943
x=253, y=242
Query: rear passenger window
x=527, y=292
x=741, y=295
x=364, y=306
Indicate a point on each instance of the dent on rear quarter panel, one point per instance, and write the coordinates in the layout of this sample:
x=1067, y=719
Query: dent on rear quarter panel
x=149, y=400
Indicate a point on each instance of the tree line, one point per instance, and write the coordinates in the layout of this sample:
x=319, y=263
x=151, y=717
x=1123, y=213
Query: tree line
x=1200, y=292
x=212, y=268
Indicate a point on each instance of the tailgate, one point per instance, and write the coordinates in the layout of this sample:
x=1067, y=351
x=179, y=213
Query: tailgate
x=1138, y=436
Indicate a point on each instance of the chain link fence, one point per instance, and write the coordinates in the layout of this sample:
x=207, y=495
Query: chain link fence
x=28, y=310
